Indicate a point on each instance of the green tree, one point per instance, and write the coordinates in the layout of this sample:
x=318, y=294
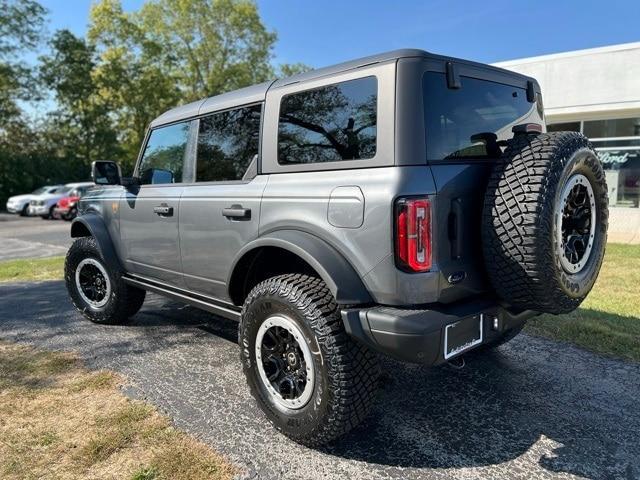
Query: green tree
x=291, y=69
x=21, y=29
x=134, y=76
x=173, y=52
x=82, y=119
x=214, y=45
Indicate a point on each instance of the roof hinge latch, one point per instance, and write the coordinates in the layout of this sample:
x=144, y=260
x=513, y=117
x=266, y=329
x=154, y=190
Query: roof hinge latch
x=453, y=78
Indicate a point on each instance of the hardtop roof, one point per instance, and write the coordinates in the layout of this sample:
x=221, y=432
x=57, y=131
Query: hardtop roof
x=257, y=93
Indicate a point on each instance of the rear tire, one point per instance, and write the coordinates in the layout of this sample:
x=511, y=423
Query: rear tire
x=97, y=291
x=293, y=340
x=25, y=210
x=544, y=226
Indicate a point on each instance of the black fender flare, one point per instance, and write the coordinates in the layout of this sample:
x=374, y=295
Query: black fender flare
x=92, y=225
x=343, y=281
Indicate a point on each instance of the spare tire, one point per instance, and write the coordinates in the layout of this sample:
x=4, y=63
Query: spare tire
x=544, y=226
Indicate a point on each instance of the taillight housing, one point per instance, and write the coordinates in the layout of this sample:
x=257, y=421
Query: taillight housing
x=413, y=234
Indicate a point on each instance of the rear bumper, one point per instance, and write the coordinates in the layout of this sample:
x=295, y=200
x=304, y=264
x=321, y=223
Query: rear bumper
x=418, y=335
x=38, y=210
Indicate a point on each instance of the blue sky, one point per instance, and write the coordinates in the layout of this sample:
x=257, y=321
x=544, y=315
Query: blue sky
x=321, y=33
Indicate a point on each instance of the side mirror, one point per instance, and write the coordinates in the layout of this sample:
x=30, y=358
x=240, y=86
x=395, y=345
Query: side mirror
x=106, y=173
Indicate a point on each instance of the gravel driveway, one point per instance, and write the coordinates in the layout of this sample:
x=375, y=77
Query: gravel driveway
x=534, y=409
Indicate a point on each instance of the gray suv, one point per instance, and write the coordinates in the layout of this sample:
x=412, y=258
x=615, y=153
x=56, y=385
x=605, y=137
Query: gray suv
x=405, y=204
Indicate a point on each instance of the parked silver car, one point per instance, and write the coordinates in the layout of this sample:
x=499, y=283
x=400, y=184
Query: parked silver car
x=44, y=205
x=20, y=203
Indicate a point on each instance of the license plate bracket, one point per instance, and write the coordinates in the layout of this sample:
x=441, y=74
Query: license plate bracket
x=463, y=335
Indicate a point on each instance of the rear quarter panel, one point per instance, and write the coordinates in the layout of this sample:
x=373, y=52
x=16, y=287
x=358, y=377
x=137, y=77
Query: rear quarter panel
x=300, y=201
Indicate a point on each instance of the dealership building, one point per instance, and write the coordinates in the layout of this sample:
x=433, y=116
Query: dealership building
x=597, y=92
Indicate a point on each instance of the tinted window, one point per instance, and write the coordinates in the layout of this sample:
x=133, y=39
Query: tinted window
x=163, y=157
x=329, y=124
x=453, y=116
x=623, y=127
x=227, y=143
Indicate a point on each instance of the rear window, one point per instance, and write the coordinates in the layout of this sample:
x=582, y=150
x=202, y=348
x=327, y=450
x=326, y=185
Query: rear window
x=329, y=124
x=453, y=116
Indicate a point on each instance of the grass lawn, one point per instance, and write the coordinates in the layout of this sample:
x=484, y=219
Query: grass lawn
x=608, y=321
x=32, y=269
x=59, y=420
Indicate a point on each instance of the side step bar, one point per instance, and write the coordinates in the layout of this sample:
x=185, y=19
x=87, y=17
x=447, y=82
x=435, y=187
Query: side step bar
x=199, y=301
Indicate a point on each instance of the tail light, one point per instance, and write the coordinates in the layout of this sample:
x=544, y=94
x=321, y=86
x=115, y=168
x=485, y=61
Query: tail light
x=413, y=234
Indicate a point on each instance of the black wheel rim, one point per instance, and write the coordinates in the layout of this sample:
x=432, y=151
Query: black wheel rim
x=93, y=282
x=284, y=362
x=576, y=223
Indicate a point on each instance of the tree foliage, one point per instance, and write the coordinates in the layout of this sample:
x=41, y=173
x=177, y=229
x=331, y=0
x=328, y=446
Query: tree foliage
x=83, y=113
x=21, y=28
x=175, y=51
x=106, y=88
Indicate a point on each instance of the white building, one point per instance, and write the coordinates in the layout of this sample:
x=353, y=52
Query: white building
x=597, y=92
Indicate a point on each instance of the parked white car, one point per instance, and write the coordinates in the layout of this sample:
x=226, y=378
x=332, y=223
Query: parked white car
x=44, y=205
x=20, y=203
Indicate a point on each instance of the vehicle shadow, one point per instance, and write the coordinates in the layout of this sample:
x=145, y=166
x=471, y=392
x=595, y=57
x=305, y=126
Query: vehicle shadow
x=529, y=401
x=494, y=410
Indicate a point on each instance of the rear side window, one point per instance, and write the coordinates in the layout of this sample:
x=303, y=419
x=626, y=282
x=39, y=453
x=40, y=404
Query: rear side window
x=228, y=144
x=163, y=157
x=329, y=124
x=453, y=116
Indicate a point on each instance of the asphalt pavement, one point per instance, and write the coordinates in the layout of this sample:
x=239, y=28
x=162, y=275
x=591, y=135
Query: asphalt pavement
x=533, y=409
x=32, y=237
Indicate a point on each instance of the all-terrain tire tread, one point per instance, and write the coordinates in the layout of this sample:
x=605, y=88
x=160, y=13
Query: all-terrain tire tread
x=126, y=300
x=517, y=223
x=353, y=369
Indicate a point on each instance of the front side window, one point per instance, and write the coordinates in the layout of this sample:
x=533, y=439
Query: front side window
x=228, y=144
x=466, y=122
x=163, y=157
x=329, y=124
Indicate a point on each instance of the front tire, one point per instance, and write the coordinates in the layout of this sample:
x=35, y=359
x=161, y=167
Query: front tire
x=313, y=382
x=97, y=291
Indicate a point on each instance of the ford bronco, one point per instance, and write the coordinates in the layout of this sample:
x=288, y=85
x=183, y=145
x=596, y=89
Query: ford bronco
x=405, y=204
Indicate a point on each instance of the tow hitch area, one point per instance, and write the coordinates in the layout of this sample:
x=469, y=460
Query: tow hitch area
x=458, y=363
x=462, y=335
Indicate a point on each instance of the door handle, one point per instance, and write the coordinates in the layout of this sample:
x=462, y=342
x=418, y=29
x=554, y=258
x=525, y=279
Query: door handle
x=163, y=211
x=237, y=212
